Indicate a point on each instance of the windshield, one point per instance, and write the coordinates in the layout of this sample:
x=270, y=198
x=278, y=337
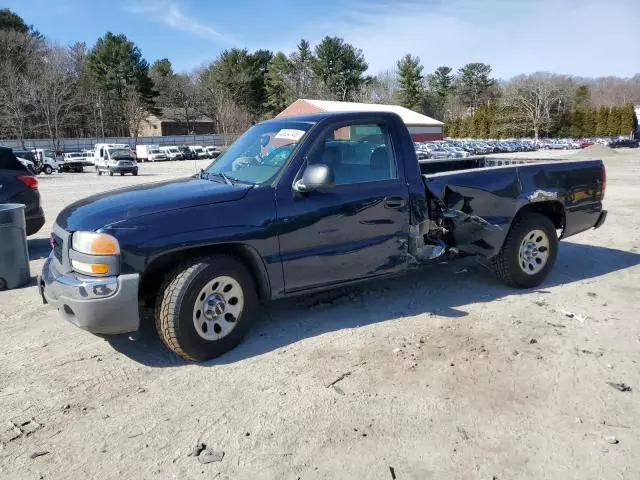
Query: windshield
x=120, y=153
x=260, y=153
x=154, y=151
x=50, y=154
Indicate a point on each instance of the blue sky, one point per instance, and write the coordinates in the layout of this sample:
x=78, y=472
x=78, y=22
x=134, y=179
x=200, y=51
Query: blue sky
x=578, y=37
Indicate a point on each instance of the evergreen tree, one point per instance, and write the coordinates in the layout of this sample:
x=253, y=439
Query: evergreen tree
x=589, y=123
x=602, y=123
x=278, y=94
x=469, y=126
x=613, y=128
x=340, y=67
x=453, y=128
x=410, y=91
x=300, y=64
x=474, y=84
x=628, y=122
x=122, y=76
x=441, y=87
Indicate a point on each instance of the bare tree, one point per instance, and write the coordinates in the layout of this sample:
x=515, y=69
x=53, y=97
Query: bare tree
x=15, y=106
x=230, y=118
x=532, y=99
x=184, y=96
x=52, y=90
x=134, y=111
x=18, y=61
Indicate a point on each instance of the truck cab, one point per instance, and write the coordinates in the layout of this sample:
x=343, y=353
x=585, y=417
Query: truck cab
x=46, y=159
x=114, y=158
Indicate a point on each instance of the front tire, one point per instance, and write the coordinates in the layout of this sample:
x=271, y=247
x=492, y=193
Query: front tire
x=111, y=173
x=205, y=307
x=528, y=253
x=48, y=170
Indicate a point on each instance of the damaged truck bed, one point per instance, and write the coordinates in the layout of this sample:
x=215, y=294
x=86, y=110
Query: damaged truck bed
x=301, y=204
x=473, y=202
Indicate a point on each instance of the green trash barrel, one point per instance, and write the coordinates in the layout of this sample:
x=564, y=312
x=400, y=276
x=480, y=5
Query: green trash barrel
x=14, y=254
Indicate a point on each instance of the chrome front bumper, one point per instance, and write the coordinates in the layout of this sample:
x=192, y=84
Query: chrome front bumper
x=105, y=305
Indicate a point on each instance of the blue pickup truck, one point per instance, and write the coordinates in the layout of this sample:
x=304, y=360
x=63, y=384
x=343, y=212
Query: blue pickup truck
x=298, y=205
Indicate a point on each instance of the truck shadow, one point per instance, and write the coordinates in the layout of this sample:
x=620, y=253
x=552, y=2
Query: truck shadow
x=442, y=289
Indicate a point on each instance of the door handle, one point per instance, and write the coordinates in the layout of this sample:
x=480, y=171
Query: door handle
x=394, y=202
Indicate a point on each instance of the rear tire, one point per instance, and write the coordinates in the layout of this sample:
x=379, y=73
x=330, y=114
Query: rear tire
x=523, y=263
x=182, y=320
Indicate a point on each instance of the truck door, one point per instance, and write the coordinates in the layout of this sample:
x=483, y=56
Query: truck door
x=355, y=230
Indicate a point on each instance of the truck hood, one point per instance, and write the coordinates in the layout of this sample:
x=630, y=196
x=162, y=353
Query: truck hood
x=98, y=211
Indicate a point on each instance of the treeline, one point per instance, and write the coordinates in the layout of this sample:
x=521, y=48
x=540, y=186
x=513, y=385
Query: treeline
x=53, y=91
x=494, y=121
x=473, y=104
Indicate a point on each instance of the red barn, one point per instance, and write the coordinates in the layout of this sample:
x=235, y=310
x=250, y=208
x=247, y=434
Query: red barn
x=421, y=127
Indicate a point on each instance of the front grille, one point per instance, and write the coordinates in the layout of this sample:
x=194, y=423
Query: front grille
x=57, y=244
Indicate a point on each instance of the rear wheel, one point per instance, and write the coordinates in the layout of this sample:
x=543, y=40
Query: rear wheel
x=111, y=173
x=205, y=307
x=529, y=252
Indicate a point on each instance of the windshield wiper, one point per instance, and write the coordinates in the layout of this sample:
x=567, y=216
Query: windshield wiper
x=207, y=176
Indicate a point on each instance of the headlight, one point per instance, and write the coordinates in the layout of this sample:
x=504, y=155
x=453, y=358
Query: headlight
x=94, y=243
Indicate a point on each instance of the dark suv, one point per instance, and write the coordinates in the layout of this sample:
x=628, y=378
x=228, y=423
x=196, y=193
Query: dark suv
x=18, y=185
x=624, y=143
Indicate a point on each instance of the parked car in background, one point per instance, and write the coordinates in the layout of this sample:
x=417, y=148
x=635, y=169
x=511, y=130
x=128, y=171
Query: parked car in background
x=88, y=156
x=199, y=151
x=115, y=158
x=73, y=162
x=584, y=143
x=19, y=185
x=187, y=153
x=213, y=151
x=624, y=143
x=29, y=165
x=172, y=153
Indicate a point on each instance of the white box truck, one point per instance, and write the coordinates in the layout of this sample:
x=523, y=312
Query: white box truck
x=149, y=153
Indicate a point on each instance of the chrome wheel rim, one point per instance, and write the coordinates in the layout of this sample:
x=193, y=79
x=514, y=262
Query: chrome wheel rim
x=218, y=308
x=533, y=252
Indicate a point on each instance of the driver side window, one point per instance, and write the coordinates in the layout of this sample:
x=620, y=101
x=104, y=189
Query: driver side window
x=357, y=153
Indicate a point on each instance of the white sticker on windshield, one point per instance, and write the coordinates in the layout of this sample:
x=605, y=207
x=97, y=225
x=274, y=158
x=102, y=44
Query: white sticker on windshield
x=290, y=134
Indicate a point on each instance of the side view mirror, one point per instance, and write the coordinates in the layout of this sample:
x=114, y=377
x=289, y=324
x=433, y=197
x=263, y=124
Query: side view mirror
x=315, y=177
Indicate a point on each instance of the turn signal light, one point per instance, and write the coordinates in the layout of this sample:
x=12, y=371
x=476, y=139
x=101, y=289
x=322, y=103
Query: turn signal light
x=95, y=268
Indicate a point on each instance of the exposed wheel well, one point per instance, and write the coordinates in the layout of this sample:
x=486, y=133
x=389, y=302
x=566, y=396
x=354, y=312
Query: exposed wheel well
x=156, y=272
x=552, y=209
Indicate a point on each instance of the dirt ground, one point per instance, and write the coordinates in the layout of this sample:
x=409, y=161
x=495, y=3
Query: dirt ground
x=447, y=374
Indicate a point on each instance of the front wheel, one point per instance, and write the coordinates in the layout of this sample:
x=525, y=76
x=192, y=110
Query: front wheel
x=48, y=169
x=135, y=173
x=529, y=252
x=205, y=307
x=111, y=173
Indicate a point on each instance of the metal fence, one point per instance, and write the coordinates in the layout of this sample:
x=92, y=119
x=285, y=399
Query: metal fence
x=71, y=144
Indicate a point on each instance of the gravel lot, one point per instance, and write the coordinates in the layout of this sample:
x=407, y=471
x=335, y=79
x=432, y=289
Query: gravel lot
x=449, y=374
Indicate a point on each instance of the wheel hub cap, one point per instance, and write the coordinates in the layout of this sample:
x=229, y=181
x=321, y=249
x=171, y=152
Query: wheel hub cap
x=534, y=252
x=217, y=308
